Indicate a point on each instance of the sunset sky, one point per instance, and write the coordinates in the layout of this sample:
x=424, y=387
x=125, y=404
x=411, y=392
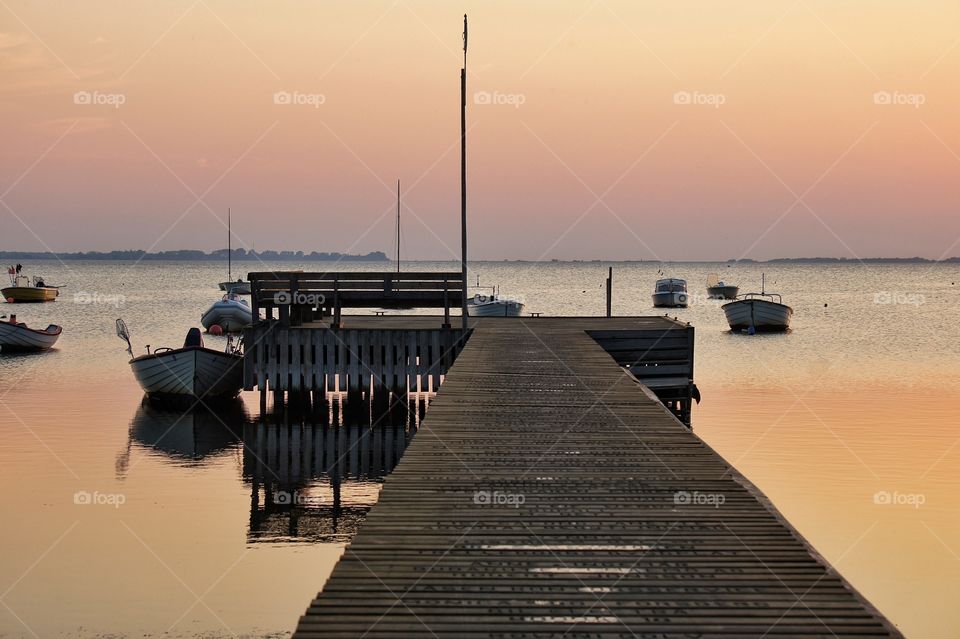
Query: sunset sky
x=598, y=129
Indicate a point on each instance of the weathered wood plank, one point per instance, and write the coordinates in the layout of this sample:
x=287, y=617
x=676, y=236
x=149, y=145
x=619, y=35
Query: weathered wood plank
x=546, y=494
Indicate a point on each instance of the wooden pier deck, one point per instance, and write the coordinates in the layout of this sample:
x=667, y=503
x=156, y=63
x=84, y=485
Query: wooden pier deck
x=548, y=494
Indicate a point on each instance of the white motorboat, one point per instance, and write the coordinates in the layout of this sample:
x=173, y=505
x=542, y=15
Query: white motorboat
x=493, y=305
x=717, y=289
x=758, y=312
x=16, y=337
x=231, y=314
x=670, y=293
x=191, y=372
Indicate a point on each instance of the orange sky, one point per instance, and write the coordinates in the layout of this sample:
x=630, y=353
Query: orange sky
x=584, y=151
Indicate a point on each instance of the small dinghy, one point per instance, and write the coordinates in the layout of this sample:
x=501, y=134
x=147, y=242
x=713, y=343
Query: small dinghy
x=232, y=314
x=717, y=289
x=16, y=337
x=191, y=372
x=758, y=312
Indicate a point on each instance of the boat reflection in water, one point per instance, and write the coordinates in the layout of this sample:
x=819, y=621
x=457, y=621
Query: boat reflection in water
x=313, y=472
x=188, y=436
x=314, y=476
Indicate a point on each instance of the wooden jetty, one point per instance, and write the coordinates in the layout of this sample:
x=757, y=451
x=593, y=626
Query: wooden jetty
x=548, y=493
x=306, y=345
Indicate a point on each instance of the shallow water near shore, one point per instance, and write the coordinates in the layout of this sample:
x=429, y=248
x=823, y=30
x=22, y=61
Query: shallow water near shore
x=121, y=519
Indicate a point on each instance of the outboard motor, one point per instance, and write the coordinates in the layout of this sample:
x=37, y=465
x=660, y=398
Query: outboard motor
x=194, y=338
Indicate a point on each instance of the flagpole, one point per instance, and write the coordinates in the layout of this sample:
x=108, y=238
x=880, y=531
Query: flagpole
x=463, y=174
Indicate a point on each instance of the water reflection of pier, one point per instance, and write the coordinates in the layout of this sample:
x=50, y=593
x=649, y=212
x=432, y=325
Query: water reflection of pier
x=314, y=474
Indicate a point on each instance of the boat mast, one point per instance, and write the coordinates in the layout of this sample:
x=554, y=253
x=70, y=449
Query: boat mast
x=229, y=250
x=398, y=226
x=463, y=172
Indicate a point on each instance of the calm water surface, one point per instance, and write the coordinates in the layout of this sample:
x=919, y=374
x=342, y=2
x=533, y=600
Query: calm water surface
x=858, y=406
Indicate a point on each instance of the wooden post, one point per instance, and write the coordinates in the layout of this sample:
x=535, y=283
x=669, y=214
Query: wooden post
x=294, y=293
x=446, y=304
x=610, y=292
x=336, y=302
x=254, y=298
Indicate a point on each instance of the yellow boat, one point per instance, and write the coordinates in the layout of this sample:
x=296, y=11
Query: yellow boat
x=21, y=290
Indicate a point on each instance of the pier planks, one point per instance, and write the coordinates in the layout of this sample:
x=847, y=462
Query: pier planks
x=548, y=494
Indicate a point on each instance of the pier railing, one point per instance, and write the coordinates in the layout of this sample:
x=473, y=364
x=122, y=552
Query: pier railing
x=300, y=296
x=661, y=359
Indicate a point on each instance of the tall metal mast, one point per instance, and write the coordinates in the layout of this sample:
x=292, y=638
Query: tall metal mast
x=398, y=226
x=463, y=172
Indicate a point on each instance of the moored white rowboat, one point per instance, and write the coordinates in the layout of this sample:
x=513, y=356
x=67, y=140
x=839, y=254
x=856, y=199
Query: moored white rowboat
x=191, y=372
x=758, y=312
x=15, y=337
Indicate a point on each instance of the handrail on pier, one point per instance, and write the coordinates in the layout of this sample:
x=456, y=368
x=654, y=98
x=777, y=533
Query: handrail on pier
x=300, y=296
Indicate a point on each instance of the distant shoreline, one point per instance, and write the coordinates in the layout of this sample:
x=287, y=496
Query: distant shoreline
x=238, y=255
x=241, y=255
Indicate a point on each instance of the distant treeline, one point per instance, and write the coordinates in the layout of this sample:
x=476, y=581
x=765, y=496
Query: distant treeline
x=846, y=260
x=198, y=256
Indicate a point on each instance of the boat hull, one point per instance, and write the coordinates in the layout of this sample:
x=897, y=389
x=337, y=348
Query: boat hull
x=229, y=315
x=23, y=294
x=497, y=308
x=17, y=338
x=762, y=315
x=670, y=299
x=190, y=373
x=723, y=292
